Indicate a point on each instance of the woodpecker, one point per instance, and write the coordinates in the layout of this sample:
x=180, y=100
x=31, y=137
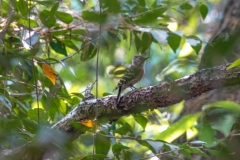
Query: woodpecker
x=133, y=74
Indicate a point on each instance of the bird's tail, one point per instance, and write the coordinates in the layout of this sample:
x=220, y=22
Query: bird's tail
x=118, y=95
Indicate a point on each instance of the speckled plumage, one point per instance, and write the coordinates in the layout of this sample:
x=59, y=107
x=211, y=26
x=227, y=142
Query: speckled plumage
x=132, y=75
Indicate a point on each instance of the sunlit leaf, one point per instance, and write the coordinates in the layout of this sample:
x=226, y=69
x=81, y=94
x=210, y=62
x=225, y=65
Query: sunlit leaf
x=89, y=123
x=160, y=35
x=234, y=64
x=178, y=128
x=195, y=43
x=50, y=73
x=203, y=10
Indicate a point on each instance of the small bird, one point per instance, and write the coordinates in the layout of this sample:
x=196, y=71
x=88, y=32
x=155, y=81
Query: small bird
x=133, y=74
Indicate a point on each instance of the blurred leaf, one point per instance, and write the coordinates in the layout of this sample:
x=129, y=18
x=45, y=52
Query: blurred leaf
x=113, y=36
x=6, y=102
x=203, y=10
x=80, y=95
x=174, y=41
x=234, y=107
x=106, y=94
x=33, y=23
x=207, y=134
x=195, y=43
x=94, y=16
x=89, y=123
x=70, y=44
x=234, y=64
x=160, y=35
x=111, y=5
x=142, y=2
x=178, y=128
x=140, y=119
x=186, y=6
x=102, y=143
x=64, y=17
x=33, y=114
x=50, y=73
x=124, y=129
x=58, y=47
x=47, y=19
x=146, y=144
x=117, y=148
x=89, y=51
x=23, y=7
x=54, y=9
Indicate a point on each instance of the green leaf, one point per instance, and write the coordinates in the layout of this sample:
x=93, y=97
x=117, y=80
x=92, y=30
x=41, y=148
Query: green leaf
x=54, y=9
x=94, y=16
x=207, y=133
x=33, y=23
x=160, y=35
x=102, y=143
x=113, y=36
x=117, y=148
x=178, y=128
x=234, y=64
x=33, y=114
x=186, y=6
x=70, y=44
x=111, y=5
x=147, y=16
x=80, y=95
x=64, y=17
x=146, y=144
x=234, y=107
x=58, y=47
x=23, y=7
x=106, y=94
x=124, y=129
x=46, y=19
x=174, y=41
x=142, y=3
x=203, y=10
x=140, y=119
x=195, y=43
x=89, y=51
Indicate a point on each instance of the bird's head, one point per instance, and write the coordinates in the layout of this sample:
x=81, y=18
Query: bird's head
x=138, y=60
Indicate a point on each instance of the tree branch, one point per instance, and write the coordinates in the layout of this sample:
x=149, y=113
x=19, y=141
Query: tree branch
x=161, y=95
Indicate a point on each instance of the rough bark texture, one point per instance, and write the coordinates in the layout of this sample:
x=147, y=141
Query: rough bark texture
x=161, y=95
